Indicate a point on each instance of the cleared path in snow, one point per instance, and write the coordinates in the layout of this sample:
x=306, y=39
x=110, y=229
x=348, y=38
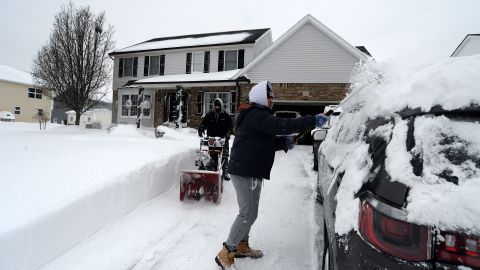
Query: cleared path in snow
x=168, y=234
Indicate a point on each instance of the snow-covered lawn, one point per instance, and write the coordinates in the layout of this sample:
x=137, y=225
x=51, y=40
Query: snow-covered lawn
x=73, y=198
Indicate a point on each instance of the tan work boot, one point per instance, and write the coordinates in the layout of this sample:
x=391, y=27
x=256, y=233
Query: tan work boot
x=225, y=258
x=244, y=250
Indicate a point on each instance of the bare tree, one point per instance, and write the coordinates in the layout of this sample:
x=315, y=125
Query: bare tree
x=73, y=67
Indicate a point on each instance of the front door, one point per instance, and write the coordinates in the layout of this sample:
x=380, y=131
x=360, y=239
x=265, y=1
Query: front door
x=171, y=111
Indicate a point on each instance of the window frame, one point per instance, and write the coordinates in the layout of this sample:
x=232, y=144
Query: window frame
x=35, y=93
x=225, y=59
x=208, y=101
x=134, y=105
x=199, y=64
x=150, y=62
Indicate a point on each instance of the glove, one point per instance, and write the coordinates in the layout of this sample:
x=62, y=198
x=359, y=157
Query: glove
x=320, y=119
x=290, y=142
x=200, y=133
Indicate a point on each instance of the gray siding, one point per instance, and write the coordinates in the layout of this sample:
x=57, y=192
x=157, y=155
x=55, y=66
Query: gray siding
x=308, y=56
x=262, y=43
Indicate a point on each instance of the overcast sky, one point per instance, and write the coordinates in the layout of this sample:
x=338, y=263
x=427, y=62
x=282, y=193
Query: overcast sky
x=414, y=31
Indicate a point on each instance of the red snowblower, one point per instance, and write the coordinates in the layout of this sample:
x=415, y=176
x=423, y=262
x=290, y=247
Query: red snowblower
x=206, y=181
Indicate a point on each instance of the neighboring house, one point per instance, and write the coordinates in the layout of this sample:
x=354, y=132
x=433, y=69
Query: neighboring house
x=20, y=97
x=309, y=66
x=95, y=118
x=202, y=64
x=59, y=111
x=470, y=45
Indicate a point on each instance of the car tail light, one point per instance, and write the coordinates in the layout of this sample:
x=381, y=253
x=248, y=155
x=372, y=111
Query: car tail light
x=458, y=249
x=394, y=237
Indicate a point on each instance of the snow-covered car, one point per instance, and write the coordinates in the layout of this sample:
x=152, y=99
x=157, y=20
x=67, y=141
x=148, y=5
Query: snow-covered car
x=7, y=116
x=399, y=172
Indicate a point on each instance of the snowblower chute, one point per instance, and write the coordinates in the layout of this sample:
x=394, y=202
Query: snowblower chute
x=205, y=181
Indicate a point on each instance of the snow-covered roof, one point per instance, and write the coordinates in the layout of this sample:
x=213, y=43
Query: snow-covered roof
x=7, y=115
x=10, y=74
x=198, y=40
x=470, y=45
x=321, y=27
x=382, y=89
x=191, y=78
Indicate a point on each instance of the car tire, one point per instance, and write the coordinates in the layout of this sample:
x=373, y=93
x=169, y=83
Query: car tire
x=327, y=261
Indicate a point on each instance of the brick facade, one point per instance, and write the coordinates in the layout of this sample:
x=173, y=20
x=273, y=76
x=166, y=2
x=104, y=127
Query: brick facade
x=326, y=93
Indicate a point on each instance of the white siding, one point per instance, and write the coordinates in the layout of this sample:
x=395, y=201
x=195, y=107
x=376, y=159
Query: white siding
x=262, y=43
x=308, y=56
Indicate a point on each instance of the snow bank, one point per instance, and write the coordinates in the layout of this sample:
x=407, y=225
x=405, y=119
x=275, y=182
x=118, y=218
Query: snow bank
x=382, y=89
x=62, y=185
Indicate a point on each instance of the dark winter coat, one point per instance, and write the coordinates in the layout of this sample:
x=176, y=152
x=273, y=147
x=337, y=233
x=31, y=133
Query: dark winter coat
x=255, y=143
x=217, y=124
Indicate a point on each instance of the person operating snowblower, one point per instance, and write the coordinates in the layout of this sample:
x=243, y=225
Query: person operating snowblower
x=218, y=123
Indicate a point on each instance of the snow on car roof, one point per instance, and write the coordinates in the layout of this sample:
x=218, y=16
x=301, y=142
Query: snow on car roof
x=384, y=88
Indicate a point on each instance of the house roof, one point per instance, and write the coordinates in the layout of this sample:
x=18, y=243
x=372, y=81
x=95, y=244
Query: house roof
x=321, y=27
x=223, y=76
x=197, y=40
x=464, y=41
x=364, y=50
x=10, y=74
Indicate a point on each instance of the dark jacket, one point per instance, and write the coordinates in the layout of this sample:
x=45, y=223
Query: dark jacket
x=255, y=143
x=217, y=124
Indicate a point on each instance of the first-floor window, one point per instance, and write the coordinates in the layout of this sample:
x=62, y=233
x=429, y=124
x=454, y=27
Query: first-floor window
x=211, y=96
x=17, y=110
x=129, y=105
x=131, y=100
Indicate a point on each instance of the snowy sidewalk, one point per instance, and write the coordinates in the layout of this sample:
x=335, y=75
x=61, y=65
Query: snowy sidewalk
x=168, y=234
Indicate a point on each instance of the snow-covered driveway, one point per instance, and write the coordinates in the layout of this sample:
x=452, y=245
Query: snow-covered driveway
x=168, y=234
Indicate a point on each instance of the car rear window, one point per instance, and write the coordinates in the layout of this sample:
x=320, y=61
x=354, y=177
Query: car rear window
x=449, y=148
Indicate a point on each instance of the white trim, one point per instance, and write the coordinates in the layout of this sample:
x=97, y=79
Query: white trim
x=321, y=27
x=203, y=61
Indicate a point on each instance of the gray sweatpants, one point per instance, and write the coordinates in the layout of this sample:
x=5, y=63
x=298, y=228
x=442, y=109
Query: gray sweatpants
x=248, y=196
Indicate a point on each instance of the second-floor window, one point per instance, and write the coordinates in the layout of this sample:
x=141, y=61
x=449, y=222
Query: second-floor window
x=34, y=93
x=128, y=67
x=154, y=65
x=230, y=60
x=198, y=62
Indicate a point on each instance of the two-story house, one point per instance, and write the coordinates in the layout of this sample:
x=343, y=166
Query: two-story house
x=19, y=96
x=309, y=66
x=203, y=65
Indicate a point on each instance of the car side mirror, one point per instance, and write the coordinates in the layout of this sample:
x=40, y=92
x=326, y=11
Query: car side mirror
x=320, y=135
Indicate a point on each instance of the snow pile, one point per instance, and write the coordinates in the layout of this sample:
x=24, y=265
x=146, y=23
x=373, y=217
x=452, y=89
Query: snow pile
x=382, y=89
x=61, y=185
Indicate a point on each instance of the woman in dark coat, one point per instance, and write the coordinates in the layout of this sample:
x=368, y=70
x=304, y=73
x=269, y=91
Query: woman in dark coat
x=251, y=160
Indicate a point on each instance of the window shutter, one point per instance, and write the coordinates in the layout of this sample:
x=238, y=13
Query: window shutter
x=241, y=58
x=162, y=64
x=135, y=64
x=206, y=62
x=120, y=68
x=145, y=66
x=221, y=60
x=200, y=103
x=188, y=69
x=233, y=101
